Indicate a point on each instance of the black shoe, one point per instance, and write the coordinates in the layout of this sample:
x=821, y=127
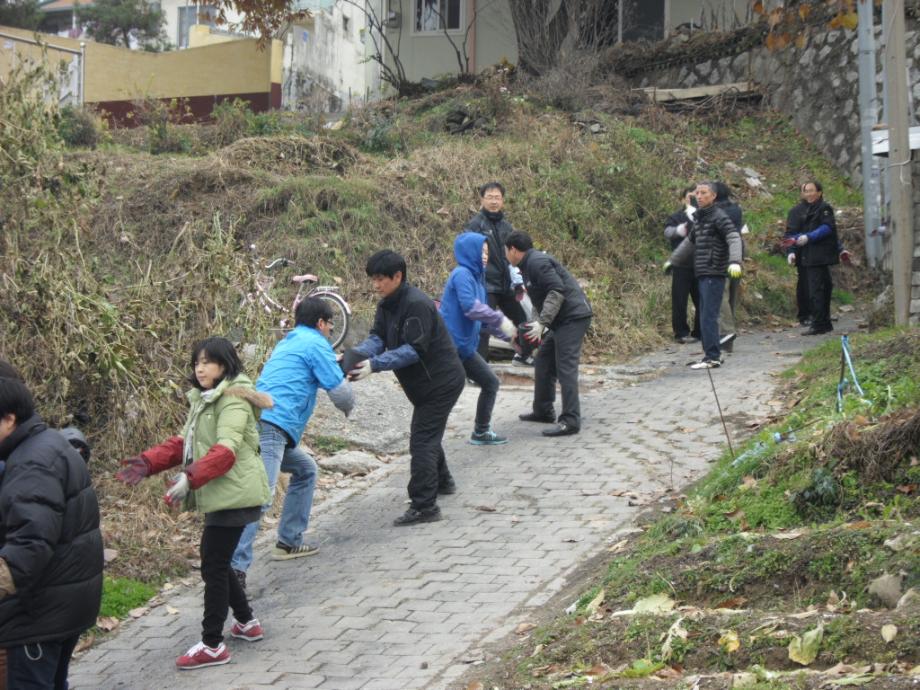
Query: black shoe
x=680, y=339
x=534, y=417
x=241, y=576
x=447, y=488
x=561, y=429
x=411, y=516
x=817, y=331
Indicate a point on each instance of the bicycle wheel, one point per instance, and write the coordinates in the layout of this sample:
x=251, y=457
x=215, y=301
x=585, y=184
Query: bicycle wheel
x=341, y=316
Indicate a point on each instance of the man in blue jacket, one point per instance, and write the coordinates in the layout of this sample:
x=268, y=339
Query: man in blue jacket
x=299, y=365
x=465, y=309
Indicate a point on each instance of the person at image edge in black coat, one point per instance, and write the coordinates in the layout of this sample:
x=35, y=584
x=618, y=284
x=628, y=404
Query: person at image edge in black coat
x=50, y=543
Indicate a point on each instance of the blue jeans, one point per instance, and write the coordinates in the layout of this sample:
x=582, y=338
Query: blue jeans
x=711, y=289
x=295, y=515
x=41, y=665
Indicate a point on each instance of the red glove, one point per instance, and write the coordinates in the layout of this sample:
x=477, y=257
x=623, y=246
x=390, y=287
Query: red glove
x=133, y=471
x=845, y=257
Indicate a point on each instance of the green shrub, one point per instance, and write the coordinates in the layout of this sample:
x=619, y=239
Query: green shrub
x=80, y=126
x=231, y=121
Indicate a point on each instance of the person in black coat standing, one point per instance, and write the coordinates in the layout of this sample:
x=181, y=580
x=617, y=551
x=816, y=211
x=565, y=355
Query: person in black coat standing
x=490, y=221
x=50, y=544
x=409, y=338
x=563, y=317
x=683, y=279
x=814, y=245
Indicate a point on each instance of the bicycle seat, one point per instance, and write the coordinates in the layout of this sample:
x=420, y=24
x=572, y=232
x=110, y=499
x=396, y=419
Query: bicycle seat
x=305, y=278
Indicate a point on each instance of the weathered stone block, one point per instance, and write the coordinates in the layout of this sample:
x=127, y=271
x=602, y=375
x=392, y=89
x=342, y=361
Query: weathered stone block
x=704, y=68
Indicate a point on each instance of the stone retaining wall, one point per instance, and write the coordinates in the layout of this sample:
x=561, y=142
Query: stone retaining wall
x=818, y=88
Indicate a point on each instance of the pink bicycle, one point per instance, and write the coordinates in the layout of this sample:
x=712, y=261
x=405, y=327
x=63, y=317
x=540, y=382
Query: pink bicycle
x=307, y=286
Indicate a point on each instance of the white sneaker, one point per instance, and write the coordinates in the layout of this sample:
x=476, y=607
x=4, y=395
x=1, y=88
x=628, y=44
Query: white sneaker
x=706, y=363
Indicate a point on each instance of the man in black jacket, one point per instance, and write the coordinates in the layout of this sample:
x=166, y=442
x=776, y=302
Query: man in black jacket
x=409, y=337
x=50, y=545
x=490, y=221
x=683, y=280
x=563, y=318
x=715, y=244
x=813, y=229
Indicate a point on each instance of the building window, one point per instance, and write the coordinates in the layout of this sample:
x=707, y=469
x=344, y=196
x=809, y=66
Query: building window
x=436, y=15
x=191, y=15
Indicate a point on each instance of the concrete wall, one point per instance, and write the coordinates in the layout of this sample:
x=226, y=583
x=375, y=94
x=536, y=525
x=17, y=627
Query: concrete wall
x=710, y=14
x=817, y=87
x=324, y=61
x=115, y=76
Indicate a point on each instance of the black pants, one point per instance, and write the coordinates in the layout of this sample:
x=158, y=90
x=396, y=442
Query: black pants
x=683, y=286
x=820, y=287
x=222, y=591
x=557, y=359
x=40, y=666
x=428, y=464
x=511, y=308
x=478, y=370
x=802, y=301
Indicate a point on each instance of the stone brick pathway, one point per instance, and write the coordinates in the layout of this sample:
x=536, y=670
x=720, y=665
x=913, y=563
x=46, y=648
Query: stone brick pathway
x=400, y=608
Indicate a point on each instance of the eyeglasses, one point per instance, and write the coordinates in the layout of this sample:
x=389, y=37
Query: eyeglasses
x=493, y=197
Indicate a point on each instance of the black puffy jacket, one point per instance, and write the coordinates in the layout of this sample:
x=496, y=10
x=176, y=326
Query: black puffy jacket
x=49, y=538
x=544, y=274
x=496, y=229
x=714, y=242
x=408, y=316
x=805, y=217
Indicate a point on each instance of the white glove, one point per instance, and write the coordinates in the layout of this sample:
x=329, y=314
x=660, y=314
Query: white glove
x=690, y=210
x=734, y=270
x=361, y=371
x=682, y=229
x=801, y=240
x=177, y=491
x=534, y=332
x=507, y=328
x=790, y=259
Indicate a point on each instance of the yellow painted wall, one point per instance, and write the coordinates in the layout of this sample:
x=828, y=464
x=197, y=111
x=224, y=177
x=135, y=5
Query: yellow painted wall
x=117, y=74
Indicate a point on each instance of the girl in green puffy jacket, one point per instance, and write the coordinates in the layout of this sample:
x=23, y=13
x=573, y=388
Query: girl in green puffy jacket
x=223, y=477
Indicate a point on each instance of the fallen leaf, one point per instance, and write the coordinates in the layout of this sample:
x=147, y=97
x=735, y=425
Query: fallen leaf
x=859, y=524
x=804, y=650
x=524, y=628
x=748, y=482
x=619, y=492
x=171, y=610
x=733, y=603
x=537, y=650
x=668, y=673
x=107, y=623
x=443, y=211
x=657, y=603
x=792, y=534
x=475, y=685
x=85, y=643
x=851, y=680
x=619, y=546
x=599, y=670
x=515, y=519
x=109, y=555
x=729, y=641
x=889, y=632
x=485, y=509
x=595, y=603
x=908, y=488
x=590, y=492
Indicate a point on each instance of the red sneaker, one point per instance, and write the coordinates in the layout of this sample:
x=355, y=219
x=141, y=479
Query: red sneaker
x=201, y=656
x=251, y=631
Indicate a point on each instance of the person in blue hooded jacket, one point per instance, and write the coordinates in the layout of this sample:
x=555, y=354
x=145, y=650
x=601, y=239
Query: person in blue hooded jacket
x=465, y=309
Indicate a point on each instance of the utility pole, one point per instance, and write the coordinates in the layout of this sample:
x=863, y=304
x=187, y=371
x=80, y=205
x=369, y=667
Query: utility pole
x=868, y=114
x=899, y=156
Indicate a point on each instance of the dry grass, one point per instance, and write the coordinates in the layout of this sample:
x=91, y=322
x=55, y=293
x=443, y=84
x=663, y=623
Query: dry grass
x=876, y=451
